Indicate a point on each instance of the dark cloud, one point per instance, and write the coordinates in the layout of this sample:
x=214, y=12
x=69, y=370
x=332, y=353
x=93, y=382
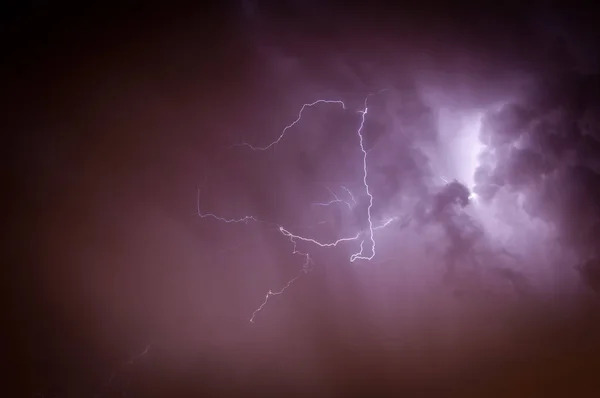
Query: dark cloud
x=483, y=154
x=542, y=147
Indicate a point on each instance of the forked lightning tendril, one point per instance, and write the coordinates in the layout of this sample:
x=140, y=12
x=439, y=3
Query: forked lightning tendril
x=364, y=253
x=272, y=144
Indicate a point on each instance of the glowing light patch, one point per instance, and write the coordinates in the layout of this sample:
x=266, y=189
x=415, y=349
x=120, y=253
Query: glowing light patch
x=469, y=147
x=457, y=154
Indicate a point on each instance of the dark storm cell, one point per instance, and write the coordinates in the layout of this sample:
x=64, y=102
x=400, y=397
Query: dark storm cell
x=454, y=192
x=587, y=181
x=506, y=125
x=589, y=123
x=526, y=166
x=588, y=147
x=545, y=139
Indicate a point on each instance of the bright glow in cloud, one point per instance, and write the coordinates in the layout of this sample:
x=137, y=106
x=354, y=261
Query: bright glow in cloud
x=456, y=154
x=468, y=149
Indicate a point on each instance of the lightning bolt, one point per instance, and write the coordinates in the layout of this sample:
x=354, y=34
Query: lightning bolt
x=386, y=223
x=305, y=269
x=293, y=238
x=359, y=254
x=367, y=235
x=128, y=363
x=336, y=199
x=244, y=219
x=289, y=126
x=138, y=356
x=349, y=193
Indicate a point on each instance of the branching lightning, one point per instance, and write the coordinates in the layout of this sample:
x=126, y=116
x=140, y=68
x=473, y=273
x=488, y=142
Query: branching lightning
x=336, y=199
x=293, y=238
x=272, y=144
x=368, y=235
x=124, y=365
x=305, y=269
x=244, y=219
x=359, y=254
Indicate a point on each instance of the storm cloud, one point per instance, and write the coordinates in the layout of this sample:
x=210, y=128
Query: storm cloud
x=130, y=155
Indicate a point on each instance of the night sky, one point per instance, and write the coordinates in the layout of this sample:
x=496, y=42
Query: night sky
x=429, y=226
